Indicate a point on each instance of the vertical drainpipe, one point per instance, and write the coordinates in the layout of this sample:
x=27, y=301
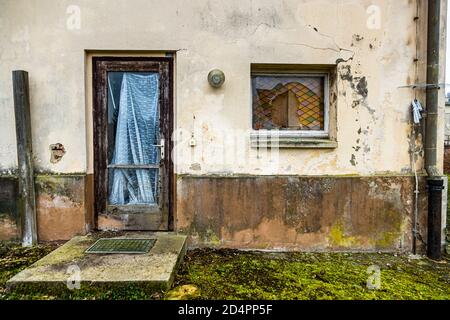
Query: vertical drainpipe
x=435, y=182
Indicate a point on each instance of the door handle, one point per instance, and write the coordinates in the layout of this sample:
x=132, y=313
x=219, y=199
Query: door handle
x=161, y=148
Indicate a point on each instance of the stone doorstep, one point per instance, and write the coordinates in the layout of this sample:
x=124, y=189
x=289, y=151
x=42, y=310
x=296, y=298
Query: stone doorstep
x=154, y=270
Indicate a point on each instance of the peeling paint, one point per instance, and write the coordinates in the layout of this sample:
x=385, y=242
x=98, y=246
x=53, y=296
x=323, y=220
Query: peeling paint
x=293, y=212
x=361, y=87
x=57, y=152
x=353, y=160
x=218, y=33
x=196, y=167
x=370, y=65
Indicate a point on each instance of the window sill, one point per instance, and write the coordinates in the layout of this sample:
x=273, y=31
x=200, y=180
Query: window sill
x=291, y=141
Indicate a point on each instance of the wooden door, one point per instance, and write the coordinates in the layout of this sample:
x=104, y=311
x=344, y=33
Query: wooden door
x=133, y=171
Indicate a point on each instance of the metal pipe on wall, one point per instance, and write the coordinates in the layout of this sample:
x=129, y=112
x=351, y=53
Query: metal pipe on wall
x=434, y=181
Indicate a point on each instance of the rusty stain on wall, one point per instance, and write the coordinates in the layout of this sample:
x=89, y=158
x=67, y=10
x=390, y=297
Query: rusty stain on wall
x=9, y=229
x=60, y=206
x=308, y=213
x=62, y=209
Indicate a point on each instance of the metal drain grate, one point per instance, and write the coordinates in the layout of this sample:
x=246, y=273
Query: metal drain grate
x=121, y=246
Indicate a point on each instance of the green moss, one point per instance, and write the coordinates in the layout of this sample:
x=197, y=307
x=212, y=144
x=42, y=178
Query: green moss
x=211, y=238
x=387, y=240
x=184, y=292
x=393, y=222
x=338, y=238
x=63, y=255
x=91, y=292
x=248, y=275
x=214, y=239
x=382, y=235
x=61, y=185
x=14, y=258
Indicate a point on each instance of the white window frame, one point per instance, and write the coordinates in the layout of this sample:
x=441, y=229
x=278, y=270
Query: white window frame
x=293, y=134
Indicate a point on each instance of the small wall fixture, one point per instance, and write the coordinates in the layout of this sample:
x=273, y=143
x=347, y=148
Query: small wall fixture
x=216, y=78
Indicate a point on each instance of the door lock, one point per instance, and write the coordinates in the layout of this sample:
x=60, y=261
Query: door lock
x=161, y=148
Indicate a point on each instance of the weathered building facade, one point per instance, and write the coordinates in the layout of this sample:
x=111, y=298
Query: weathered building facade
x=334, y=80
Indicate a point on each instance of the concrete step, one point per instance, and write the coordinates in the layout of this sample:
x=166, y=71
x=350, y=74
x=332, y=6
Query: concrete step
x=69, y=265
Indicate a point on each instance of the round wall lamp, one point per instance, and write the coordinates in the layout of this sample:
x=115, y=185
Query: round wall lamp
x=216, y=78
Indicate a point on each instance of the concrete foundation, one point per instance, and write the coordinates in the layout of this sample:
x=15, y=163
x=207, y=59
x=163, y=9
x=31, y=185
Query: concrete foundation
x=63, y=210
x=306, y=213
x=154, y=270
x=334, y=213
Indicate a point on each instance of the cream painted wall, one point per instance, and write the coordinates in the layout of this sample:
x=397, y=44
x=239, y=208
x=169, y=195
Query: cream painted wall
x=373, y=138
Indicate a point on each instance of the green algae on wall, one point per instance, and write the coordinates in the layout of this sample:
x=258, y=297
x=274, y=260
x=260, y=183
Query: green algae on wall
x=385, y=233
x=61, y=185
x=338, y=237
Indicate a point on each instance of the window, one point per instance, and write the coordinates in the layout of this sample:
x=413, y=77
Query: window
x=296, y=102
x=291, y=106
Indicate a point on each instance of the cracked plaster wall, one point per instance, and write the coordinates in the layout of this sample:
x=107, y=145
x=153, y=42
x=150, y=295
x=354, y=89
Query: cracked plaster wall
x=373, y=129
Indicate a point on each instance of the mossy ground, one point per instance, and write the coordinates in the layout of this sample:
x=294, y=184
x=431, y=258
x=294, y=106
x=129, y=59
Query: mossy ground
x=231, y=274
x=14, y=258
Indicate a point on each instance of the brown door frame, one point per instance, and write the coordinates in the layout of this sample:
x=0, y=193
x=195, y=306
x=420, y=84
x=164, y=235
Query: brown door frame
x=100, y=67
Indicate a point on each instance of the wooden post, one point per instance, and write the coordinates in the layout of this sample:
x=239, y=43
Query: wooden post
x=27, y=200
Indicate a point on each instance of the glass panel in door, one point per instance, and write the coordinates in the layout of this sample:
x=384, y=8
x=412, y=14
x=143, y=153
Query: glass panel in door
x=133, y=139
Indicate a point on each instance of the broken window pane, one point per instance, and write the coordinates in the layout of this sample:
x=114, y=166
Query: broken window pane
x=288, y=102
